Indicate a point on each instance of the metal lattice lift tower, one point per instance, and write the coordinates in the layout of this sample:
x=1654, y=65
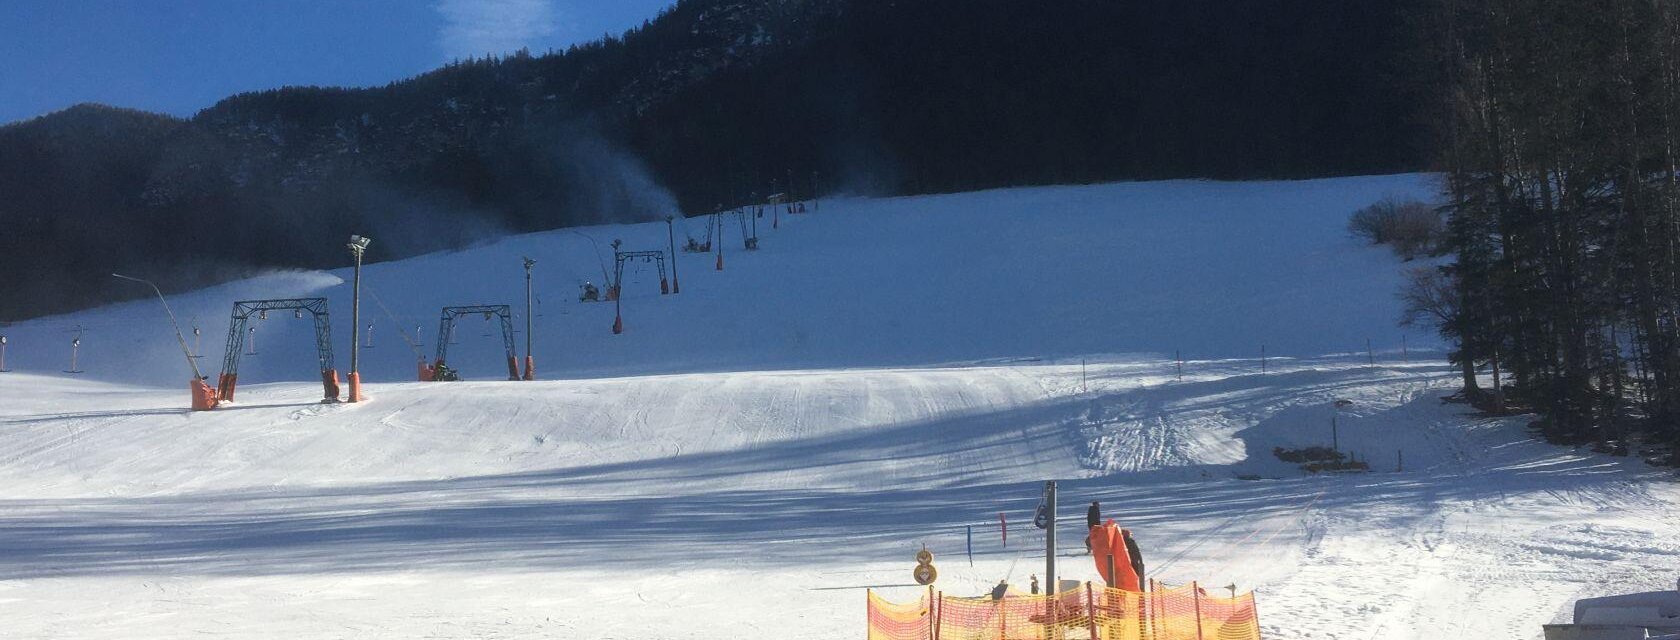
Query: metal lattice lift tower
x=616, y=290
x=440, y=370
x=242, y=312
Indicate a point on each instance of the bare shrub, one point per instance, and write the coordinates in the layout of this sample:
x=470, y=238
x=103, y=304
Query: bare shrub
x=1412, y=228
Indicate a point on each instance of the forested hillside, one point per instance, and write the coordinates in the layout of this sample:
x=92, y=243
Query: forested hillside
x=710, y=103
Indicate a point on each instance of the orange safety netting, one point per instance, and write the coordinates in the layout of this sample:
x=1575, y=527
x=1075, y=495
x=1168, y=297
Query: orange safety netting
x=1090, y=613
x=889, y=621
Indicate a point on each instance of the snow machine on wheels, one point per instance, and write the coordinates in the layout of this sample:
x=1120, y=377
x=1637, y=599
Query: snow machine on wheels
x=439, y=370
x=243, y=311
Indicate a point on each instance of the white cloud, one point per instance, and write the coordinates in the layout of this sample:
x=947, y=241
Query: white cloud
x=477, y=27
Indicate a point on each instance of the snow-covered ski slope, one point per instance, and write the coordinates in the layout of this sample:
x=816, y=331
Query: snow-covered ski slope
x=753, y=452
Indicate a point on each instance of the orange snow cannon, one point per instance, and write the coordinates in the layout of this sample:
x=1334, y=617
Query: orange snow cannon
x=1114, y=562
x=203, y=397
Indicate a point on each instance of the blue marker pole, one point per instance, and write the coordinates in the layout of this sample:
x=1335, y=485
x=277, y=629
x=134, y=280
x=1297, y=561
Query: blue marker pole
x=970, y=545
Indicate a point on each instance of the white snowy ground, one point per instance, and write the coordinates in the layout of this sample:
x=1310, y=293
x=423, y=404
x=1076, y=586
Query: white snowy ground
x=756, y=450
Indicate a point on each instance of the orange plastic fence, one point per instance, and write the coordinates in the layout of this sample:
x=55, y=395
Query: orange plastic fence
x=888, y=621
x=1091, y=613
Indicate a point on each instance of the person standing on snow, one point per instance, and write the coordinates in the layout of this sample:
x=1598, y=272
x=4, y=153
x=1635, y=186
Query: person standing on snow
x=1093, y=519
x=1132, y=550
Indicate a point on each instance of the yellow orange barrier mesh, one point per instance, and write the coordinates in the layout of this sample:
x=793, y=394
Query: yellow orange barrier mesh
x=1092, y=613
x=889, y=621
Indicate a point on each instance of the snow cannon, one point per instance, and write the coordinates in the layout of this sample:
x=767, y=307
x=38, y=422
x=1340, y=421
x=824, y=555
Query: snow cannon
x=1114, y=557
x=203, y=397
x=441, y=372
x=425, y=370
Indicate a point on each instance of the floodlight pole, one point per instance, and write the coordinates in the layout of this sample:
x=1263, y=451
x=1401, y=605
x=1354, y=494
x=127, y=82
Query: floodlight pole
x=530, y=311
x=358, y=245
x=671, y=236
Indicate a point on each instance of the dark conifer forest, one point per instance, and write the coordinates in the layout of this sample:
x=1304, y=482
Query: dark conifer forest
x=1559, y=130
x=710, y=103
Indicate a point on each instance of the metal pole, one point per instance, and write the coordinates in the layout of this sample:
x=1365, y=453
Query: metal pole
x=931, y=604
x=1196, y=592
x=355, y=316
x=1050, y=537
x=530, y=313
x=671, y=236
x=1091, y=609
x=1335, y=442
x=172, y=323
x=938, y=614
x=358, y=245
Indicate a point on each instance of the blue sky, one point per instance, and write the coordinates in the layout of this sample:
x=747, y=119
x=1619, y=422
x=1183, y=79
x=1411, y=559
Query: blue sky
x=179, y=56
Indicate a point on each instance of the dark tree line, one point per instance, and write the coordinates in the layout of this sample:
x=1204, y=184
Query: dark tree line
x=1562, y=125
x=713, y=100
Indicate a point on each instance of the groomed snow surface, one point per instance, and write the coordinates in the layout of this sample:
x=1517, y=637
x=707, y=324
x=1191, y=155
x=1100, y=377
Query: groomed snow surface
x=754, y=452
